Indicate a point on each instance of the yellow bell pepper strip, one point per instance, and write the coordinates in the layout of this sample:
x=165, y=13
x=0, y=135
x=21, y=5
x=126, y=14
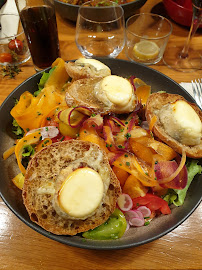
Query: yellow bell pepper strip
x=18, y=181
x=30, y=110
x=9, y=152
x=59, y=76
x=27, y=140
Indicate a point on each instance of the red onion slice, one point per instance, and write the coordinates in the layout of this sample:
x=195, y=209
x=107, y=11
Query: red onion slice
x=125, y=202
x=146, y=212
x=46, y=132
x=131, y=214
x=117, y=120
x=137, y=222
x=140, y=215
x=131, y=79
x=79, y=123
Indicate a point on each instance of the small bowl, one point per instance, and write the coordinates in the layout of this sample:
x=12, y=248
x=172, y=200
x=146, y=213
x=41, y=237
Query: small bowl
x=70, y=12
x=178, y=13
x=13, y=45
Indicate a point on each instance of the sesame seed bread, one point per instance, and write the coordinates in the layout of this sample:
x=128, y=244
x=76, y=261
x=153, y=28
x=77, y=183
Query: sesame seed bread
x=154, y=103
x=45, y=174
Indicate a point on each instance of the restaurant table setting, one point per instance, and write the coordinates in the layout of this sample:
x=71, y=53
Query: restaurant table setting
x=135, y=45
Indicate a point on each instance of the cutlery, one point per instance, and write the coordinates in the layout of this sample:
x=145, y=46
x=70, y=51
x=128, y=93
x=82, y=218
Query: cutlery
x=197, y=90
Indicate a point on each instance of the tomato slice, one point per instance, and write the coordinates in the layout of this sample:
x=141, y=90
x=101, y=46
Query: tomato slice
x=153, y=202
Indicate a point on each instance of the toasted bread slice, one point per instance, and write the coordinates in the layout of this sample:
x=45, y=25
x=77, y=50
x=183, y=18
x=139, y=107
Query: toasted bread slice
x=90, y=92
x=86, y=68
x=154, y=104
x=44, y=177
x=81, y=93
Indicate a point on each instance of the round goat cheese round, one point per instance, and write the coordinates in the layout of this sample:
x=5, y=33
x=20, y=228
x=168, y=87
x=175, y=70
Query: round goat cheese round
x=181, y=122
x=81, y=193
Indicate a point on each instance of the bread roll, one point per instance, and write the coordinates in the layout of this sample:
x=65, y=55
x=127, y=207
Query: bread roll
x=154, y=106
x=87, y=68
x=45, y=175
x=103, y=95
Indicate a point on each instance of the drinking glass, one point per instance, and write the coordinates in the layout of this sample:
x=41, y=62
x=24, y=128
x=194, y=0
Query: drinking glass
x=182, y=57
x=100, y=29
x=13, y=45
x=147, y=35
x=40, y=27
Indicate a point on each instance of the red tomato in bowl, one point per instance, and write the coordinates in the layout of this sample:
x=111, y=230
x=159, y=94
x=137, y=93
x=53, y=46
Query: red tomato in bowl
x=153, y=202
x=6, y=58
x=15, y=45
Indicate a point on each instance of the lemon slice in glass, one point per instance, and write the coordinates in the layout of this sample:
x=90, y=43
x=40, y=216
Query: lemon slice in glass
x=146, y=50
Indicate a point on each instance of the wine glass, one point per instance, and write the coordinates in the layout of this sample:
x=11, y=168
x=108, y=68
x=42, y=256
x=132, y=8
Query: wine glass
x=100, y=29
x=184, y=58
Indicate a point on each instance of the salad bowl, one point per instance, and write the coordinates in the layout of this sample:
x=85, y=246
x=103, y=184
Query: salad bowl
x=157, y=228
x=70, y=11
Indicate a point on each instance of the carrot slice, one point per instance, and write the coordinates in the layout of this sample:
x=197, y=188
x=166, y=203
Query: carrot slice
x=9, y=152
x=131, y=165
x=160, y=148
x=27, y=140
x=142, y=151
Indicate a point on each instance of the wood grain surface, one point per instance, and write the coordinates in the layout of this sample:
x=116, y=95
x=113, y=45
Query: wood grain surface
x=21, y=248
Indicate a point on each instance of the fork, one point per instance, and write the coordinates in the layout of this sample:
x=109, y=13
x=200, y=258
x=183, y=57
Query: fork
x=197, y=90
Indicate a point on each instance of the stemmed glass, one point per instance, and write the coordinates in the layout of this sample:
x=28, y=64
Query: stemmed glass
x=100, y=29
x=184, y=58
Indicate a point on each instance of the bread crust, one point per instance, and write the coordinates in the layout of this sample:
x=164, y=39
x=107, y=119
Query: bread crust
x=45, y=167
x=77, y=72
x=154, y=104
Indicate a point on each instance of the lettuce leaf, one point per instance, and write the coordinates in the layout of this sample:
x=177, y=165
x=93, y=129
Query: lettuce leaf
x=43, y=80
x=17, y=130
x=177, y=196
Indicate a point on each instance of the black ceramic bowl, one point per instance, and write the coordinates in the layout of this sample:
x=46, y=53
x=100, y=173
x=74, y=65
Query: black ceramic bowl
x=70, y=12
x=134, y=236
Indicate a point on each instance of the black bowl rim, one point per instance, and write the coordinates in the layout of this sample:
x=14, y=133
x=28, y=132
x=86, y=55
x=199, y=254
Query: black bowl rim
x=77, y=6
x=83, y=244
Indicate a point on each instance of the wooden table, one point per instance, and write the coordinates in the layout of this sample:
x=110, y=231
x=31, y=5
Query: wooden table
x=24, y=249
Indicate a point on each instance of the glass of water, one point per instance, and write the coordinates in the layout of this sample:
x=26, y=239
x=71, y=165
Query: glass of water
x=100, y=29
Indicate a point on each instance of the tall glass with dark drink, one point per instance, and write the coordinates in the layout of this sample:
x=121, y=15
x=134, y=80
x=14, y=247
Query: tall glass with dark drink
x=40, y=27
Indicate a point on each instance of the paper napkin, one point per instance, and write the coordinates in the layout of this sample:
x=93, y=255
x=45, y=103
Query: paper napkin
x=9, y=24
x=188, y=88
